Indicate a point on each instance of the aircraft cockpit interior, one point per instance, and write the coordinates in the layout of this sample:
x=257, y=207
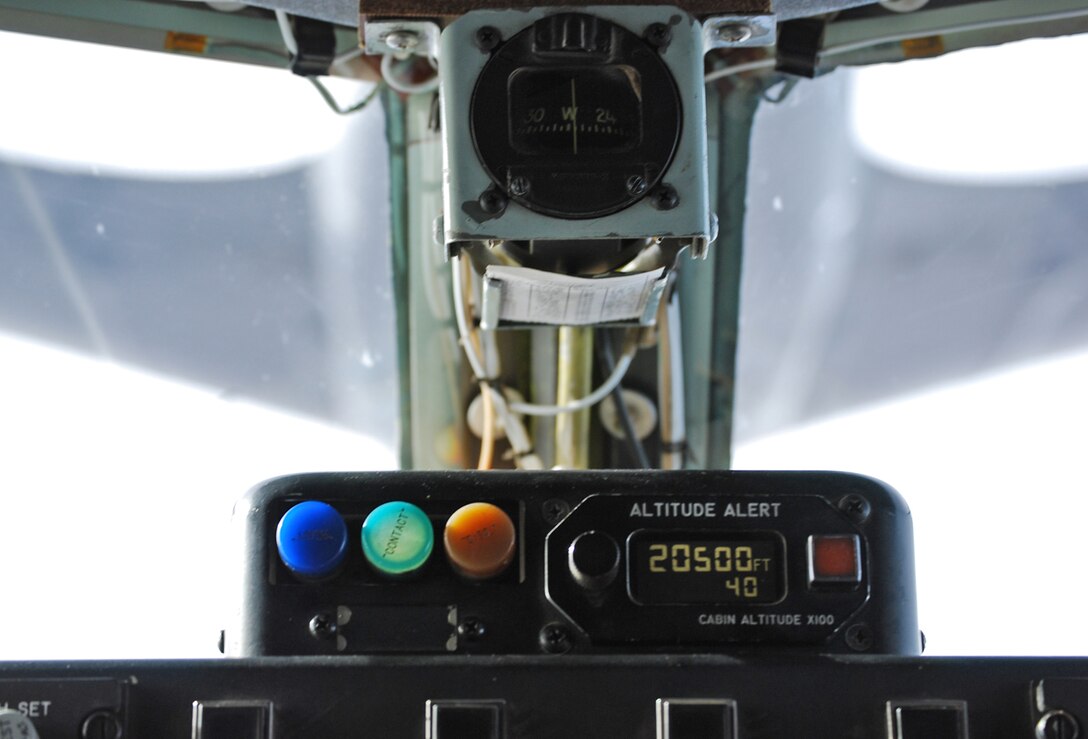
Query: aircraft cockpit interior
x=471, y=369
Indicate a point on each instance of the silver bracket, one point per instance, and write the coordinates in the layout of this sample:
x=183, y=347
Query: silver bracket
x=737, y=31
x=401, y=38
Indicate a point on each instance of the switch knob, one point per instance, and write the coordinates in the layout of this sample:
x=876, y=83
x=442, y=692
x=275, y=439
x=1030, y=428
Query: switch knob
x=397, y=538
x=480, y=540
x=312, y=539
x=102, y=724
x=594, y=560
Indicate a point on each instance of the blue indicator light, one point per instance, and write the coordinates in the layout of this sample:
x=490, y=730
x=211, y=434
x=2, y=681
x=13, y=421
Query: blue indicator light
x=312, y=539
x=397, y=538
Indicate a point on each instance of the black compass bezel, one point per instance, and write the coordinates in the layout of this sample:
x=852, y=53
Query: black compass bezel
x=590, y=184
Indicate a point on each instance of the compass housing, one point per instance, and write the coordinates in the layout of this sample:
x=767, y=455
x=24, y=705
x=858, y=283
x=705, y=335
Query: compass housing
x=575, y=116
x=505, y=180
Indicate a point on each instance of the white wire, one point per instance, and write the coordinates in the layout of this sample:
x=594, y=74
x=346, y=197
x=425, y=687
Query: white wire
x=614, y=379
x=408, y=88
x=1058, y=15
x=515, y=429
x=670, y=354
x=285, y=30
x=846, y=48
x=718, y=74
x=347, y=56
x=463, y=332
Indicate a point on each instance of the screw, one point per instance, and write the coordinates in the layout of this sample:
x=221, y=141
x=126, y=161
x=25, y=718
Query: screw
x=856, y=507
x=492, y=201
x=401, y=41
x=734, y=32
x=658, y=35
x=323, y=626
x=859, y=637
x=1057, y=725
x=665, y=197
x=519, y=186
x=487, y=38
x=472, y=629
x=555, y=509
x=636, y=184
x=101, y=725
x=555, y=639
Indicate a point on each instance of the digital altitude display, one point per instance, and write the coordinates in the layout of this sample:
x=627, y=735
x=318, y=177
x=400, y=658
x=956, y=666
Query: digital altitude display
x=676, y=569
x=580, y=111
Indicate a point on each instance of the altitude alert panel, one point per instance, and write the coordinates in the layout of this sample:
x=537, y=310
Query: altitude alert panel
x=563, y=125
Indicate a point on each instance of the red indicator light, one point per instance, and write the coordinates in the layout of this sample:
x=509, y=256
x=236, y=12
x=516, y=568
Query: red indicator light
x=834, y=559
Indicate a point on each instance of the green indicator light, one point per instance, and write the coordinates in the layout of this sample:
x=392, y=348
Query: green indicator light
x=397, y=538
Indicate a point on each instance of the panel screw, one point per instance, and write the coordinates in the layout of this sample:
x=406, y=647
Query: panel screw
x=492, y=201
x=856, y=507
x=555, y=509
x=658, y=35
x=734, y=33
x=519, y=186
x=471, y=629
x=636, y=184
x=1057, y=725
x=487, y=38
x=101, y=725
x=665, y=197
x=555, y=639
x=859, y=637
x=323, y=626
x=401, y=41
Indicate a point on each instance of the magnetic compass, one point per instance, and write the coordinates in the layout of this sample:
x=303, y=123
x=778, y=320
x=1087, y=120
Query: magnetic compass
x=575, y=116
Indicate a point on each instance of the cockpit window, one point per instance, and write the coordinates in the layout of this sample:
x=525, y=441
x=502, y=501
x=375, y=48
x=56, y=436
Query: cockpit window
x=195, y=294
x=914, y=308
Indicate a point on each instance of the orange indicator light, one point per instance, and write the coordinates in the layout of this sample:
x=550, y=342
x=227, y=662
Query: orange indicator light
x=479, y=540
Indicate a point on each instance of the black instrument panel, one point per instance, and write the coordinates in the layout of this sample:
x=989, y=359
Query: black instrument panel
x=633, y=697
x=603, y=562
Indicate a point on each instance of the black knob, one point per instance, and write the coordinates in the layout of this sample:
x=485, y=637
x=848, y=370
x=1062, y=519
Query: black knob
x=594, y=560
x=1057, y=725
x=101, y=725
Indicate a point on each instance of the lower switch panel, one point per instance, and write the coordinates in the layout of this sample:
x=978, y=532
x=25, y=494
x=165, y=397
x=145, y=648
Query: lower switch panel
x=932, y=719
x=693, y=718
x=465, y=720
x=232, y=720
